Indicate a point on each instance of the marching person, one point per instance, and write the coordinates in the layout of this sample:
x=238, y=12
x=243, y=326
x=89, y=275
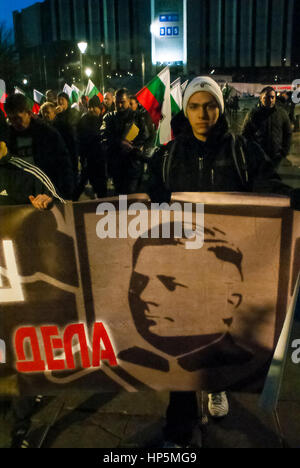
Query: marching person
x=269, y=125
x=206, y=157
x=36, y=143
x=91, y=154
x=22, y=183
x=123, y=138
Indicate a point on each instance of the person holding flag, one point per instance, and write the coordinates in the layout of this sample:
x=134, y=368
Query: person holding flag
x=123, y=135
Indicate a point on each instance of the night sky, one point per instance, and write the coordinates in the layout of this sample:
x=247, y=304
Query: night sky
x=8, y=6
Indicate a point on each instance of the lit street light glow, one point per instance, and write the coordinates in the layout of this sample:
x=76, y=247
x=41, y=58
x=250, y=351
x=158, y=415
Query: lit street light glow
x=82, y=46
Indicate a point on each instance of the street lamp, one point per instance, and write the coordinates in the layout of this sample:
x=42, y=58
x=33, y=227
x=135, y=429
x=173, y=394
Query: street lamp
x=88, y=72
x=82, y=46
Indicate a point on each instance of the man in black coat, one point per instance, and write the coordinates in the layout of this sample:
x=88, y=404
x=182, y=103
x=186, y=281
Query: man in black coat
x=36, y=143
x=123, y=137
x=269, y=125
x=67, y=120
x=3, y=127
x=90, y=149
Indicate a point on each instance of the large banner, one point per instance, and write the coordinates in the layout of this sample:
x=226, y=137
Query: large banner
x=124, y=295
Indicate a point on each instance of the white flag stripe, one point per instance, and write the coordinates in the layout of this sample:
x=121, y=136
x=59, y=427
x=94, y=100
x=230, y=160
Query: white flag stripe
x=37, y=96
x=176, y=92
x=67, y=89
x=165, y=134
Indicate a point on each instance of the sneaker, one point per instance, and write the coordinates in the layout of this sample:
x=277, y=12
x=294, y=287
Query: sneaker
x=19, y=438
x=195, y=442
x=218, y=404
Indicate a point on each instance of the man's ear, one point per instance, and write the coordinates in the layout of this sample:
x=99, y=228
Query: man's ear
x=235, y=299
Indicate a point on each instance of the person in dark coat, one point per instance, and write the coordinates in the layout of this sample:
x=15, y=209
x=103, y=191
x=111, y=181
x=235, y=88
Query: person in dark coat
x=91, y=154
x=67, y=119
x=22, y=183
x=123, y=137
x=36, y=143
x=3, y=127
x=206, y=157
x=269, y=125
x=149, y=125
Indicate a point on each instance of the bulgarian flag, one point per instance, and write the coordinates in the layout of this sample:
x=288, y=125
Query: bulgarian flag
x=184, y=85
x=38, y=99
x=75, y=94
x=33, y=106
x=92, y=91
x=176, y=97
x=156, y=99
x=3, y=96
x=68, y=90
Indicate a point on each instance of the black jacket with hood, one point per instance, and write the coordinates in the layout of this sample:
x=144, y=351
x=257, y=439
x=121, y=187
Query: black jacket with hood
x=224, y=163
x=50, y=155
x=19, y=180
x=271, y=129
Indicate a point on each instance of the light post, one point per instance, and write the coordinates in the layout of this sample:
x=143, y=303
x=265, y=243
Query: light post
x=102, y=67
x=88, y=72
x=82, y=46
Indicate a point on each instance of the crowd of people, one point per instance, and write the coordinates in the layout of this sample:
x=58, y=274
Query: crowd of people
x=96, y=141
x=116, y=139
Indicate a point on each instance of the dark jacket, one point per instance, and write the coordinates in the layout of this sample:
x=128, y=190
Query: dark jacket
x=89, y=134
x=149, y=129
x=50, y=154
x=271, y=129
x=66, y=123
x=3, y=127
x=223, y=163
x=19, y=180
x=116, y=126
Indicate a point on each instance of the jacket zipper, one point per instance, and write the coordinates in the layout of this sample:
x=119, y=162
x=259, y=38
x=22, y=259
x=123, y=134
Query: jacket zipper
x=200, y=172
x=212, y=177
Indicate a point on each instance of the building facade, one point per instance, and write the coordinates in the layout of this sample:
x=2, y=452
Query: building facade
x=253, y=40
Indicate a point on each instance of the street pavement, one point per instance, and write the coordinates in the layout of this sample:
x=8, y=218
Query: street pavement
x=136, y=420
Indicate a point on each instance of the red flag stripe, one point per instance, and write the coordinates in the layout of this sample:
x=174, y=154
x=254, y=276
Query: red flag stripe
x=150, y=103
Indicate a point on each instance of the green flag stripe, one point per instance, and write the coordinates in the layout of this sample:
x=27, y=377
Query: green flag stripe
x=174, y=106
x=157, y=88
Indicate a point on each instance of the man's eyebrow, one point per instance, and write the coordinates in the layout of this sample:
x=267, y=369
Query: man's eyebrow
x=201, y=104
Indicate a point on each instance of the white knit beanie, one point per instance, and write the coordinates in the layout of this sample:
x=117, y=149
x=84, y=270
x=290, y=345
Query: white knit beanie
x=203, y=83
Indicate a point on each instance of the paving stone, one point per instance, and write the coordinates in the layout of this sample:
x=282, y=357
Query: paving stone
x=289, y=418
x=139, y=403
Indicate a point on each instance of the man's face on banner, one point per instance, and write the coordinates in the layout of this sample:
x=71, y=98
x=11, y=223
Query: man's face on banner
x=166, y=298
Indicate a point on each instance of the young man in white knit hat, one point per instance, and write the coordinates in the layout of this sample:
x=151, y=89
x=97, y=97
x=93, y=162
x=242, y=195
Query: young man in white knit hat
x=206, y=157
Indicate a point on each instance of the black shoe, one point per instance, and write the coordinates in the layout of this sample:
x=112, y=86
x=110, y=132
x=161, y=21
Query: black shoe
x=19, y=436
x=195, y=442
